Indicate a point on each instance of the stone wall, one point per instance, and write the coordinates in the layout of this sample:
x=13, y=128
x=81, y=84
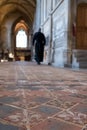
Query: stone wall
x=59, y=34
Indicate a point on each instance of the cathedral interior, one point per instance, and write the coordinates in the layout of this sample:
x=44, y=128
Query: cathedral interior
x=53, y=95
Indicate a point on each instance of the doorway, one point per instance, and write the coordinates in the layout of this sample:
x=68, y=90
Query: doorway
x=81, y=30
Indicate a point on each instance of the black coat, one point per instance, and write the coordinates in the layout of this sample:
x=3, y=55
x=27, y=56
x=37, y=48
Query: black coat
x=39, y=41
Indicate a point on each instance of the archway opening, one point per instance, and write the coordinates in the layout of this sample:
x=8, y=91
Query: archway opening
x=22, y=48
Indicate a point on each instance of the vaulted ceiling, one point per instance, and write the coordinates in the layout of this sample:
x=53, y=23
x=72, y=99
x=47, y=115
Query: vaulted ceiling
x=12, y=12
x=17, y=8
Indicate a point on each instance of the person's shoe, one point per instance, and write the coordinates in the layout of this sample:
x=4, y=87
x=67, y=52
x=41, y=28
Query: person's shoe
x=38, y=63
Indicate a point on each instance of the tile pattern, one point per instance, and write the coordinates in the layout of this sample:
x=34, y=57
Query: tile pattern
x=41, y=97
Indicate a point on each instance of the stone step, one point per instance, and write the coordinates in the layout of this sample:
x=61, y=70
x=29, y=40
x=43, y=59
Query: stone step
x=82, y=65
x=82, y=59
x=80, y=54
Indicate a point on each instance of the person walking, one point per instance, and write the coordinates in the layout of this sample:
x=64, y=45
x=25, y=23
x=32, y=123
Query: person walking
x=39, y=42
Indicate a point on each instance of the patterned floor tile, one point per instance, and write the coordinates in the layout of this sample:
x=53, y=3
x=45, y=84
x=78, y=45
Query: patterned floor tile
x=74, y=117
x=77, y=115
x=46, y=111
x=6, y=110
x=61, y=104
x=8, y=99
x=55, y=125
x=42, y=97
x=81, y=108
x=10, y=127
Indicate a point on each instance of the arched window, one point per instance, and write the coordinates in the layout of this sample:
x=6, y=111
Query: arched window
x=21, y=39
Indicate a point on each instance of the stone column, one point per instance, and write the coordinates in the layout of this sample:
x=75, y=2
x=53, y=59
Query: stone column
x=37, y=19
x=50, y=46
x=71, y=38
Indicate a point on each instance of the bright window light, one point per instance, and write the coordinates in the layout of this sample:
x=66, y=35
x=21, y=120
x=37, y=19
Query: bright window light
x=21, y=39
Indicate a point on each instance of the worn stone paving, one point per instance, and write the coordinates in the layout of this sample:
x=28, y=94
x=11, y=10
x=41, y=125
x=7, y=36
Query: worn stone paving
x=41, y=97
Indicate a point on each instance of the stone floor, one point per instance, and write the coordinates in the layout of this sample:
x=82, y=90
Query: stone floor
x=41, y=97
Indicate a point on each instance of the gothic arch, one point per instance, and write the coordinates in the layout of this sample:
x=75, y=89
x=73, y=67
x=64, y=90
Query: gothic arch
x=11, y=12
